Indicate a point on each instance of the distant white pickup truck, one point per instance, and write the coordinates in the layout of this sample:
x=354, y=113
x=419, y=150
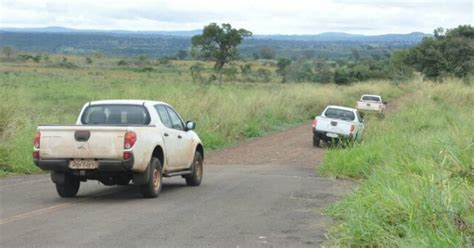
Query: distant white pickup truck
x=116, y=141
x=337, y=123
x=371, y=103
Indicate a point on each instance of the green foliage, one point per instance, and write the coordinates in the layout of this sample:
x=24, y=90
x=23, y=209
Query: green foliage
x=263, y=74
x=164, y=60
x=8, y=51
x=342, y=76
x=282, y=65
x=399, y=68
x=182, y=54
x=196, y=72
x=88, y=60
x=246, y=68
x=219, y=44
x=145, y=69
x=418, y=171
x=267, y=53
x=231, y=73
x=449, y=53
x=122, y=63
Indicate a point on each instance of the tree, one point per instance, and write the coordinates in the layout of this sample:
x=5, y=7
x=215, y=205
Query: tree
x=219, y=44
x=267, y=53
x=309, y=54
x=448, y=52
x=283, y=64
x=342, y=76
x=355, y=54
x=182, y=54
x=8, y=51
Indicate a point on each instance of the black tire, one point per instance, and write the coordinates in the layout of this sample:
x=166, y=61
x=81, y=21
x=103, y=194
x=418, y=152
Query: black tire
x=197, y=170
x=316, y=141
x=70, y=187
x=152, y=188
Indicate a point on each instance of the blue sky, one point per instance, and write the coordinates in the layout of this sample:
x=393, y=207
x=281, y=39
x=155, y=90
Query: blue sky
x=261, y=17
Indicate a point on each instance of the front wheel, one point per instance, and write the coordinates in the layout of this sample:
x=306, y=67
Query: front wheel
x=197, y=170
x=152, y=188
x=70, y=187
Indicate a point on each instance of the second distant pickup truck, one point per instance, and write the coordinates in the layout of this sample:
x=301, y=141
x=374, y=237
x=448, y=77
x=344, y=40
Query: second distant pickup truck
x=118, y=141
x=371, y=103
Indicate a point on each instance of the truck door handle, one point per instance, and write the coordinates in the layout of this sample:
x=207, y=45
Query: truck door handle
x=166, y=134
x=179, y=137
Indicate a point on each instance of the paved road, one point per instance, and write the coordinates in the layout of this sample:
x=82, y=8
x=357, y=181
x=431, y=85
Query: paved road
x=262, y=193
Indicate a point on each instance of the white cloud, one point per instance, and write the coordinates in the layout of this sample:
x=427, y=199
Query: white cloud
x=261, y=17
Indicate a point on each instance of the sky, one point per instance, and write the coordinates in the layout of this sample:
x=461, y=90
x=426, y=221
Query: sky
x=259, y=16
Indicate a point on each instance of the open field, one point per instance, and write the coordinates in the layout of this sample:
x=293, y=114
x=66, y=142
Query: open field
x=35, y=93
x=417, y=171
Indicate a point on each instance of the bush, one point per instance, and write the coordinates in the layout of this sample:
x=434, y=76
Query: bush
x=122, y=63
x=263, y=74
x=230, y=73
x=196, y=72
x=342, y=76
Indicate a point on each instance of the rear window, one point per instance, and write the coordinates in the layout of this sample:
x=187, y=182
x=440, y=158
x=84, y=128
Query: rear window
x=371, y=98
x=340, y=114
x=114, y=114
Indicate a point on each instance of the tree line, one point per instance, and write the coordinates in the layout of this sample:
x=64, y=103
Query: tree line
x=448, y=53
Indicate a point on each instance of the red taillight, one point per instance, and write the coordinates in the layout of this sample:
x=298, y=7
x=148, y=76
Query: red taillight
x=127, y=155
x=353, y=127
x=37, y=139
x=130, y=139
x=315, y=122
x=36, y=155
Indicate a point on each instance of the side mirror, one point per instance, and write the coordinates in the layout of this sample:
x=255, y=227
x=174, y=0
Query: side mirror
x=190, y=125
x=385, y=102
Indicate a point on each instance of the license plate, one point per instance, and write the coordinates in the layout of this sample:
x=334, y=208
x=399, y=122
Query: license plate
x=332, y=135
x=368, y=104
x=83, y=164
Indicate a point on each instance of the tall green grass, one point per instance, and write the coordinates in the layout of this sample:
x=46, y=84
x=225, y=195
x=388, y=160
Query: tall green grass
x=417, y=167
x=225, y=114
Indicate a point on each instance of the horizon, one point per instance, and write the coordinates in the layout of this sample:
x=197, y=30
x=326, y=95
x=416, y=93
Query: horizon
x=45, y=29
x=300, y=17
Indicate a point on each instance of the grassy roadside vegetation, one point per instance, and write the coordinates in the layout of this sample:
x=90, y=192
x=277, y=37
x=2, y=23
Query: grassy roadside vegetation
x=417, y=171
x=53, y=93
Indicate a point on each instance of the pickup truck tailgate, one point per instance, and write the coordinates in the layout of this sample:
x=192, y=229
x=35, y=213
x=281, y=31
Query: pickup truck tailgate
x=339, y=127
x=88, y=142
x=369, y=105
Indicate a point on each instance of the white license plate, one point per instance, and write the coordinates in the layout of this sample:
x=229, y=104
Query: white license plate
x=83, y=164
x=332, y=135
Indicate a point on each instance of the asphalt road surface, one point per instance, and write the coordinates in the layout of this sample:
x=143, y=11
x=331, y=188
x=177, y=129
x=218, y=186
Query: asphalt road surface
x=262, y=193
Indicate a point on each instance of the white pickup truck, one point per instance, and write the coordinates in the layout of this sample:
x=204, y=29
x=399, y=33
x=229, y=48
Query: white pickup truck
x=116, y=141
x=371, y=103
x=337, y=123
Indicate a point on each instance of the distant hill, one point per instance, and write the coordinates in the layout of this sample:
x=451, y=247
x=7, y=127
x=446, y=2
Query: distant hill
x=332, y=45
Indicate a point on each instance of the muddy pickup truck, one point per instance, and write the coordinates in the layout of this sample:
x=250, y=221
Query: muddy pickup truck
x=337, y=123
x=371, y=103
x=118, y=141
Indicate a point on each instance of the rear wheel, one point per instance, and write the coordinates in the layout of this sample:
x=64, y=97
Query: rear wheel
x=152, y=188
x=197, y=170
x=70, y=187
x=316, y=141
